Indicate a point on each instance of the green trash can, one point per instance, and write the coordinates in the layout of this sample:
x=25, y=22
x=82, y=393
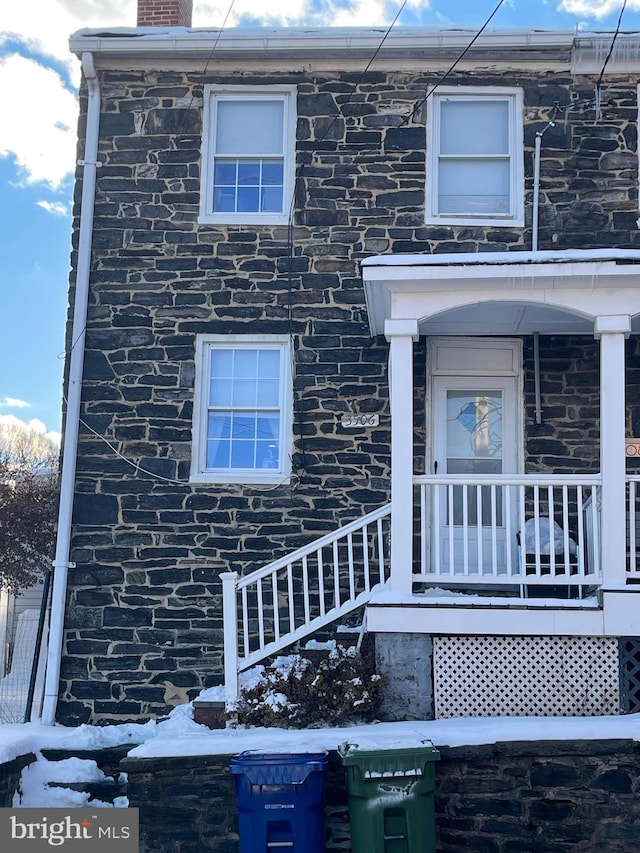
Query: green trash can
x=391, y=807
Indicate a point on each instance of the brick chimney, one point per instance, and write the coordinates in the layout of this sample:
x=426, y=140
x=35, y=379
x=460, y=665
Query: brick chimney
x=164, y=13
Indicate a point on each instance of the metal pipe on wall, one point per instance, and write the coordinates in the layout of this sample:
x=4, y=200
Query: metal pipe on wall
x=536, y=375
x=61, y=562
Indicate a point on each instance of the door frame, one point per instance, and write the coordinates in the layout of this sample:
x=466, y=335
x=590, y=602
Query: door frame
x=440, y=363
x=473, y=358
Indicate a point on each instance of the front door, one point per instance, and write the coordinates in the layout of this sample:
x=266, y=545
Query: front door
x=475, y=433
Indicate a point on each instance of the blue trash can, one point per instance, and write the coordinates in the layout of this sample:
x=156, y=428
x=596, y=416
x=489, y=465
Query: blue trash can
x=280, y=801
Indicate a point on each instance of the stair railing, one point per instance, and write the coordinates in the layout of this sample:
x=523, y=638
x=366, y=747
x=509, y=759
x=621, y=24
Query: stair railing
x=290, y=598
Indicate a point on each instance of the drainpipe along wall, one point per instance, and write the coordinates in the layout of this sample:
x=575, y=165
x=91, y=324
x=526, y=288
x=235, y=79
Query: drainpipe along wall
x=61, y=562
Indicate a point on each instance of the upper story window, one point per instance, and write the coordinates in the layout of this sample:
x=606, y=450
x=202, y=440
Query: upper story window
x=242, y=409
x=475, y=156
x=248, y=154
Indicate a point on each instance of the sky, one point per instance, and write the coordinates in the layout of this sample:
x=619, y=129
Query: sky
x=38, y=94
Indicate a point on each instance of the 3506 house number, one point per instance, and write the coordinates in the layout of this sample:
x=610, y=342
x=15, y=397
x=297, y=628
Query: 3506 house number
x=359, y=421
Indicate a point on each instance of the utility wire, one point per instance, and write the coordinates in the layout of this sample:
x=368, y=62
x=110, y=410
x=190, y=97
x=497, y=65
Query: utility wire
x=127, y=245
x=606, y=62
x=452, y=66
x=341, y=107
x=291, y=220
x=362, y=75
x=134, y=465
x=613, y=42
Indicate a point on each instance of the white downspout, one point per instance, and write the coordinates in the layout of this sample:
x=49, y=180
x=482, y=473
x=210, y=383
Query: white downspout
x=61, y=562
x=536, y=178
x=536, y=192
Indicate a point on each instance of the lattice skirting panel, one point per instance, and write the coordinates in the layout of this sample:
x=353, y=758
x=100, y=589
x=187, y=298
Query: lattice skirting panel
x=630, y=674
x=525, y=676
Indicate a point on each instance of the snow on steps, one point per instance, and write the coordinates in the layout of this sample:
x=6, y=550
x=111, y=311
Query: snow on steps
x=63, y=779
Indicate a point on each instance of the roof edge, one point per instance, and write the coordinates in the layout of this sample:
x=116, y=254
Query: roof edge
x=183, y=40
x=566, y=256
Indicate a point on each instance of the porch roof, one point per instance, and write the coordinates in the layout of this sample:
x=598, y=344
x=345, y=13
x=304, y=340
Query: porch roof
x=503, y=293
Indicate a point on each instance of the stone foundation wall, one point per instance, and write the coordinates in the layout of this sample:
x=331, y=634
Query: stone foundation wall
x=10, y=773
x=144, y=624
x=546, y=797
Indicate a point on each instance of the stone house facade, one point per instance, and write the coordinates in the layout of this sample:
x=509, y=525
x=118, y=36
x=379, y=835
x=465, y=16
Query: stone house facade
x=387, y=216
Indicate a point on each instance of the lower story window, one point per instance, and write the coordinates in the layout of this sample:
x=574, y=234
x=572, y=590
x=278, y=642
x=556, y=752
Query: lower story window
x=242, y=409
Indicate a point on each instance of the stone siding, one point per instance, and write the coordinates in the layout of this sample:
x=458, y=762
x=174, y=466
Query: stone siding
x=10, y=773
x=144, y=625
x=547, y=797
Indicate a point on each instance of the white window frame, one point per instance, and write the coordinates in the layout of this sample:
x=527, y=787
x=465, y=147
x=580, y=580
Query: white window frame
x=204, y=345
x=513, y=97
x=212, y=95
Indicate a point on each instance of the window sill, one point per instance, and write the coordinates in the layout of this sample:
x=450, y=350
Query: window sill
x=245, y=479
x=243, y=219
x=501, y=222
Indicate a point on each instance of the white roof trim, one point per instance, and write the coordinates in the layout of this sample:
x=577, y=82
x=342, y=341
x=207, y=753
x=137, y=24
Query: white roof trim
x=428, y=40
x=566, y=256
x=589, y=282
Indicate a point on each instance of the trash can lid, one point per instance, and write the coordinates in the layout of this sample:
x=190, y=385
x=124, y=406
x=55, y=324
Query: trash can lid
x=389, y=761
x=278, y=768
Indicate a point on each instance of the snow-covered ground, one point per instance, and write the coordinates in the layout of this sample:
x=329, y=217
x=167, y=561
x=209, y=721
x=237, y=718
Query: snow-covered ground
x=178, y=735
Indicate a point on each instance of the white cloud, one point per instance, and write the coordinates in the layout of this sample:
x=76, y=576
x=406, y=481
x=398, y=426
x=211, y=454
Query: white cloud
x=10, y=423
x=596, y=8
x=57, y=208
x=337, y=13
x=211, y=13
x=360, y=14
x=34, y=424
x=13, y=403
x=41, y=137
x=45, y=25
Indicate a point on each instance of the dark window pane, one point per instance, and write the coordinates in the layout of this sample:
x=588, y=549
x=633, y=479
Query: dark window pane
x=267, y=454
x=225, y=172
x=249, y=174
x=248, y=199
x=271, y=200
x=242, y=454
x=224, y=199
x=218, y=454
x=244, y=426
x=219, y=427
x=273, y=173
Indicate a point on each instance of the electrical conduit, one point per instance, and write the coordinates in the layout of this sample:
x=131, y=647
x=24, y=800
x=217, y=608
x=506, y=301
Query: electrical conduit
x=61, y=562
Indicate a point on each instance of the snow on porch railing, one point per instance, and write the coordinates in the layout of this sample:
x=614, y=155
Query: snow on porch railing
x=501, y=529
x=296, y=595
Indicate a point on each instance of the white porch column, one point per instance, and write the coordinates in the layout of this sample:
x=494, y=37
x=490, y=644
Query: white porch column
x=612, y=332
x=401, y=334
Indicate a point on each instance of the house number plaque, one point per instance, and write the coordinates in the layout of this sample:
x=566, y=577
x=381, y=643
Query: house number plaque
x=359, y=421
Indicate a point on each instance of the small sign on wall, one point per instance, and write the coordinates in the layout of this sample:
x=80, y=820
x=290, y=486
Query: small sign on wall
x=368, y=419
x=632, y=447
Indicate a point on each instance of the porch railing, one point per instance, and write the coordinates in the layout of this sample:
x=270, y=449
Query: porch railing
x=292, y=597
x=633, y=526
x=500, y=529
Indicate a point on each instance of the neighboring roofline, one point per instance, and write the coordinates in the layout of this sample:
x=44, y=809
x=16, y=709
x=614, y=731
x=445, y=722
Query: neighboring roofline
x=326, y=41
